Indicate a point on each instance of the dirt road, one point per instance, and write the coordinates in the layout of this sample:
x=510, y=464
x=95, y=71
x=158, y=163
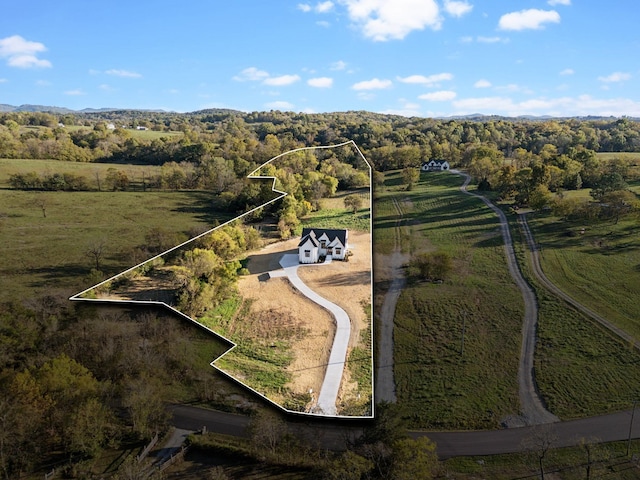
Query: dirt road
x=392, y=266
x=542, y=278
x=532, y=409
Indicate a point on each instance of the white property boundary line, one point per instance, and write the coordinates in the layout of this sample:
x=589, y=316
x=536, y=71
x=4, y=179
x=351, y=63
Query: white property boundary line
x=77, y=297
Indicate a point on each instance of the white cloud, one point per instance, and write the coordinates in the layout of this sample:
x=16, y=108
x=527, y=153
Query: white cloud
x=279, y=105
x=40, y=83
x=320, y=82
x=324, y=7
x=407, y=109
x=582, y=105
x=482, y=83
x=466, y=39
x=281, y=81
x=457, y=8
x=532, y=19
x=374, y=84
x=22, y=53
x=76, y=92
x=383, y=20
x=366, y=95
x=430, y=81
x=441, y=96
x=123, y=73
x=490, y=39
x=559, y=2
x=514, y=87
x=321, y=7
x=615, y=77
x=567, y=71
x=106, y=88
x=323, y=23
x=251, y=74
x=3, y=80
x=339, y=65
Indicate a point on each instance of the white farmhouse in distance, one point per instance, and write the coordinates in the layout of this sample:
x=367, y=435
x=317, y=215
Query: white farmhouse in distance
x=322, y=242
x=435, y=166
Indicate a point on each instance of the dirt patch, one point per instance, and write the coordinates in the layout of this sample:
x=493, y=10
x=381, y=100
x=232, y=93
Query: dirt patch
x=157, y=286
x=311, y=351
x=347, y=284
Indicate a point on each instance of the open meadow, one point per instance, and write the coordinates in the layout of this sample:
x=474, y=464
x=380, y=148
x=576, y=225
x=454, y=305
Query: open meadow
x=47, y=237
x=439, y=385
x=581, y=369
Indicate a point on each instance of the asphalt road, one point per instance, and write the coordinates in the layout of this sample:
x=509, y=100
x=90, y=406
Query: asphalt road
x=332, y=434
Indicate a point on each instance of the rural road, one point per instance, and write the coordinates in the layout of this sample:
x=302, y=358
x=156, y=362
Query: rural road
x=385, y=382
x=532, y=410
x=328, y=395
x=333, y=434
x=542, y=278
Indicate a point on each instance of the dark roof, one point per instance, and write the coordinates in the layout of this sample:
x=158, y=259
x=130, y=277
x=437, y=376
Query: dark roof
x=341, y=234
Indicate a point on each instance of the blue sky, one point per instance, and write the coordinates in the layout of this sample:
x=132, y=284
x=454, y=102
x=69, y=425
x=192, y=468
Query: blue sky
x=408, y=57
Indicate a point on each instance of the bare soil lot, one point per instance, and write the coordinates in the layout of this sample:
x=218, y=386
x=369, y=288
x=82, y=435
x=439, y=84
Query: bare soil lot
x=348, y=284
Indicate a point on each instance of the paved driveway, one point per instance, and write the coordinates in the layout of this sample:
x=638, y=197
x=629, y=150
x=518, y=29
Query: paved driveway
x=333, y=375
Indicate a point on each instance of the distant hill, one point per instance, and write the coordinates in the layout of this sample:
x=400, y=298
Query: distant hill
x=474, y=117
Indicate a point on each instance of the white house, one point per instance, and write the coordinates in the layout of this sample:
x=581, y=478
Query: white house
x=321, y=242
x=434, y=166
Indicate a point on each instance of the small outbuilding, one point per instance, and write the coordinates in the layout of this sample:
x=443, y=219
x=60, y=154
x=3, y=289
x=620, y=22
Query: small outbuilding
x=322, y=242
x=435, y=166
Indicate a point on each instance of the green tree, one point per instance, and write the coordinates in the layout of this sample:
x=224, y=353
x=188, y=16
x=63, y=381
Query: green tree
x=413, y=459
x=410, y=176
x=540, y=197
x=431, y=266
x=353, y=203
x=619, y=203
x=609, y=182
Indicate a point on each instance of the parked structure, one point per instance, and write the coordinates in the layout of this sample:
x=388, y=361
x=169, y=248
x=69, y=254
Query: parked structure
x=322, y=242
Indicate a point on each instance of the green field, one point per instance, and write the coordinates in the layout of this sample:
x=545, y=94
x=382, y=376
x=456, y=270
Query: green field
x=135, y=173
x=581, y=369
x=49, y=253
x=437, y=386
x=599, y=267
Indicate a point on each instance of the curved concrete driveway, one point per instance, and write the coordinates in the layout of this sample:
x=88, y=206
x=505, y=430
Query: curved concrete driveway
x=333, y=375
x=533, y=412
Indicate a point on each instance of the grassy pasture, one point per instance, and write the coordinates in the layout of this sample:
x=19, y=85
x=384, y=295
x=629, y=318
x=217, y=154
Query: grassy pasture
x=581, y=368
x=41, y=253
x=140, y=134
x=598, y=268
x=10, y=167
x=333, y=214
x=436, y=385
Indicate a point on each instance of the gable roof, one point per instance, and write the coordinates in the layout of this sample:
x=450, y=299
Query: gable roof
x=315, y=233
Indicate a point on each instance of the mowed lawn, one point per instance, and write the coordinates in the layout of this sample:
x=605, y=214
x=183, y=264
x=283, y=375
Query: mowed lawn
x=438, y=384
x=44, y=253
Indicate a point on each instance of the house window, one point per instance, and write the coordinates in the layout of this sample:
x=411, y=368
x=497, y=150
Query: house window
x=307, y=253
x=337, y=251
x=323, y=244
